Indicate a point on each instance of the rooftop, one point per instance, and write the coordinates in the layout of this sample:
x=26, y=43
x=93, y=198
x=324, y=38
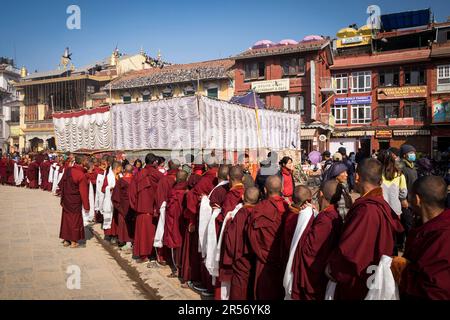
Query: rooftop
x=283, y=49
x=379, y=59
x=177, y=73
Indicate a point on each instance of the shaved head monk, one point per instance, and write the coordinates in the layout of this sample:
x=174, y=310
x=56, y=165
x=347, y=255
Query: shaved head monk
x=368, y=233
x=74, y=197
x=237, y=251
x=265, y=229
x=427, y=252
x=173, y=236
x=319, y=239
x=191, y=268
x=142, y=193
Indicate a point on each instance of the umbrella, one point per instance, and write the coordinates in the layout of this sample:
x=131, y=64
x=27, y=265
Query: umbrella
x=315, y=157
x=249, y=100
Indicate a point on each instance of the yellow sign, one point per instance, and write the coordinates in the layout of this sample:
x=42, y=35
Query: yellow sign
x=402, y=92
x=353, y=41
x=271, y=85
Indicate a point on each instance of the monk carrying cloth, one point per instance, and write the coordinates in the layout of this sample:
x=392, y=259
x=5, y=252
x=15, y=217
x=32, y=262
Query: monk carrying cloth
x=74, y=197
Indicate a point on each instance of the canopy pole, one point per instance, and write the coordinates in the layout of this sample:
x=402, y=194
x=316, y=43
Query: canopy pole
x=258, y=126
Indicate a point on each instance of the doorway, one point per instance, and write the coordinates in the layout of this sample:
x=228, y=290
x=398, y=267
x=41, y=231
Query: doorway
x=384, y=144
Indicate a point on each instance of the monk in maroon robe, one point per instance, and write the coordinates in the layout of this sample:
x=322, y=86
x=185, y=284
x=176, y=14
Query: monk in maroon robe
x=196, y=175
x=10, y=172
x=427, y=251
x=368, y=233
x=265, y=234
x=142, y=193
x=232, y=199
x=121, y=203
x=319, y=239
x=162, y=195
x=236, y=249
x=191, y=264
x=74, y=197
x=3, y=165
x=33, y=174
x=45, y=170
x=173, y=237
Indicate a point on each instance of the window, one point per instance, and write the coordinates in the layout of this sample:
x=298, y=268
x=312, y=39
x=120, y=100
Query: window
x=189, y=90
x=213, y=93
x=340, y=114
x=293, y=66
x=126, y=98
x=167, y=92
x=361, y=81
x=361, y=114
x=414, y=109
x=341, y=82
x=31, y=113
x=444, y=74
x=294, y=104
x=388, y=110
x=146, y=95
x=389, y=77
x=15, y=114
x=415, y=76
x=254, y=70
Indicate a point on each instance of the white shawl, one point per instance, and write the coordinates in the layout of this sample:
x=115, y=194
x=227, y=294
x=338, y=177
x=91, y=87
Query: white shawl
x=205, y=214
x=384, y=286
x=16, y=174
x=99, y=195
x=159, y=235
x=107, y=206
x=51, y=172
x=211, y=244
x=40, y=178
x=302, y=221
x=89, y=215
x=55, y=179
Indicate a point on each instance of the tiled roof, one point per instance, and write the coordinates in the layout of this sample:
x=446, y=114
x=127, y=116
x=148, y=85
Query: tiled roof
x=177, y=73
x=283, y=49
x=379, y=59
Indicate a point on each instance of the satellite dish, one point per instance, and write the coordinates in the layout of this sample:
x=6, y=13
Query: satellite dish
x=322, y=138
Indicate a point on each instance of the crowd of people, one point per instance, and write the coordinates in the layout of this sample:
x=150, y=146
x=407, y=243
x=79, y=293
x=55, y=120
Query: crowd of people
x=241, y=232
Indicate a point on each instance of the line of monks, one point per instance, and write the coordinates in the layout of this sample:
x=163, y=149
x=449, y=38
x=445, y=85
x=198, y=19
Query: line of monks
x=222, y=238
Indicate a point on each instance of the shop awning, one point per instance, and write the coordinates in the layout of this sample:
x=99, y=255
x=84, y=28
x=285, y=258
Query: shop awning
x=411, y=132
x=353, y=133
x=307, y=134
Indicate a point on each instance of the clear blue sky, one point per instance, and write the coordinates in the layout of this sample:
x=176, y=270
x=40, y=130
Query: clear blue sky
x=184, y=31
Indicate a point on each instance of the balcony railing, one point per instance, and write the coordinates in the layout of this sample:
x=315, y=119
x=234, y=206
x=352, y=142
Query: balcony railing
x=327, y=84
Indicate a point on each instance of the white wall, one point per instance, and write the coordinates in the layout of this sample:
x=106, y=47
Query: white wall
x=350, y=144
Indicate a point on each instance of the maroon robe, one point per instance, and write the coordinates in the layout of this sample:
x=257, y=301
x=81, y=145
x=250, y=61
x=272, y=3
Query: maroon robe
x=174, y=214
x=45, y=171
x=265, y=234
x=232, y=199
x=74, y=197
x=142, y=194
x=319, y=239
x=195, y=176
x=368, y=233
x=191, y=258
x=10, y=173
x=237, y=255
x=3, y=165
x=427, y=276
x=33, y=175
x=163, y=189
x=121, y=203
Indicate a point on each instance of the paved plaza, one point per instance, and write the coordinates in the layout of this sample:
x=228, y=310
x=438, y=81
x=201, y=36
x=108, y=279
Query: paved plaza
x=33, y=262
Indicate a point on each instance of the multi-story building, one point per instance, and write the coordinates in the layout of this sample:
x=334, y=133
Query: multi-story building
x=440, y=90
x=9, y=105
x=211, y=78
x=287, y=76
x=66, y=89
x=384, y=87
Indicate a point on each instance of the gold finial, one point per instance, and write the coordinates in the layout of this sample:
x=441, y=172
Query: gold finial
x=23, y=72
x=159, y=54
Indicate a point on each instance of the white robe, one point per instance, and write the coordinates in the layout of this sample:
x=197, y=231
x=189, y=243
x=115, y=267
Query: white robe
x=108, y=208
x=55, y=179
x=205, y=214
x=159, y=234
x=302, y=221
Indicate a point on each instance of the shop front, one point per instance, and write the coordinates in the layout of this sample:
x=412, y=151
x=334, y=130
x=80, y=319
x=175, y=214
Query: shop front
x=419, y=138
x=352, y=141
x=440, y=131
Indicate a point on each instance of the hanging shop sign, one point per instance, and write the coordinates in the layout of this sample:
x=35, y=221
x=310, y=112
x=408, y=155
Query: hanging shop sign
x=383, y=134
x=401, y=121
x=271, y=85
x=352, y=100
x=402, y=92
